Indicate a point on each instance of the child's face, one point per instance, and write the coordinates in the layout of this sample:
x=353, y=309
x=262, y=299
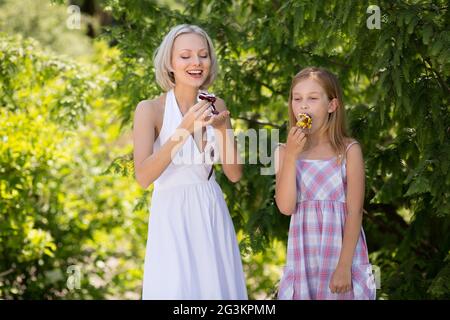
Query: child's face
x=190, y=60
x=309, y=97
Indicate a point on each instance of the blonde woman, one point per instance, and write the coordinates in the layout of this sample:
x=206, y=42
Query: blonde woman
x=192, y=251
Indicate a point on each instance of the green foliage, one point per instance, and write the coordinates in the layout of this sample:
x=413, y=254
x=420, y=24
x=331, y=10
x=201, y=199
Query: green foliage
x=67, y=195
x=56, y=208
x=395, y=82
x=45, y=22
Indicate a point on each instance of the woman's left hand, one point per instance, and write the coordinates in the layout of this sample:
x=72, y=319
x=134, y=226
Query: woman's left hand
x=220, y=120
x=341, y=280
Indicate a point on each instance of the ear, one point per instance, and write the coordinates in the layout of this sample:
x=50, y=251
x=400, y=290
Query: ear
x=170, y=72
x=170, y=68
x=332, y=106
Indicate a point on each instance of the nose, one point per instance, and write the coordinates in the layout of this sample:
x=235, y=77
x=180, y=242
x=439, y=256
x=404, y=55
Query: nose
x=196, y=60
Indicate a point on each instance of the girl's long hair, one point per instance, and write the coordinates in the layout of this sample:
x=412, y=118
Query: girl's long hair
x=336, y=128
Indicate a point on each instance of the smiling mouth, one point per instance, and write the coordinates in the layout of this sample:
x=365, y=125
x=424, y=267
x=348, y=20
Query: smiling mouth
x=195, y=73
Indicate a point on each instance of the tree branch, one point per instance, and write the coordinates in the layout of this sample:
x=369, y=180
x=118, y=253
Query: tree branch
x=4, y=273
x=268, y=87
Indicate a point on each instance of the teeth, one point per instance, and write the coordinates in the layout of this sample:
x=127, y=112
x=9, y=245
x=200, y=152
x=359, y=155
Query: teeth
x=195, y=72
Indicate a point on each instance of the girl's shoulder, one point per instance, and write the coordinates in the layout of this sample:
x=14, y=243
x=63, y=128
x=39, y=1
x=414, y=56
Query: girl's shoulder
x=349, y=142
x=353, y=151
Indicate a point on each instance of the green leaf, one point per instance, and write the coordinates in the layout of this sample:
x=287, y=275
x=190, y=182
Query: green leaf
x=427, y=33
x=419, y=185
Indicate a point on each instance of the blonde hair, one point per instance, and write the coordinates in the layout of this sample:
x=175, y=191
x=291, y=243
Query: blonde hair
x=336, y=127
x=163, y=55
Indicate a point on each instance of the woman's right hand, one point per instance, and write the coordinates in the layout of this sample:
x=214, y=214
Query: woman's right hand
x=197, y=117
x=295, y=142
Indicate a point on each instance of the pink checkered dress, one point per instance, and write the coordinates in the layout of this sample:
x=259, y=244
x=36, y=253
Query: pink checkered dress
x=316, y=234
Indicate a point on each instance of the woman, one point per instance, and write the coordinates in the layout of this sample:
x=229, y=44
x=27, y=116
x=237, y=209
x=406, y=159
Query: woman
x=192, y=252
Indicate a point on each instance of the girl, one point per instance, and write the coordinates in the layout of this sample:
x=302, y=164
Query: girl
x=320, y=182
x=192, y=252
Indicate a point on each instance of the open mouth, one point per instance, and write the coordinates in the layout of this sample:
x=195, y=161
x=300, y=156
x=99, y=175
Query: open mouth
x=195, y=73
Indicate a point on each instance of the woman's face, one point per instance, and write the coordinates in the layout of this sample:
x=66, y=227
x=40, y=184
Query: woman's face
x=309, y=97
x=190, y=60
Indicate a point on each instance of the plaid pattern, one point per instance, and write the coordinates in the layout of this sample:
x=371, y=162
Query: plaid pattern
x=316, y=234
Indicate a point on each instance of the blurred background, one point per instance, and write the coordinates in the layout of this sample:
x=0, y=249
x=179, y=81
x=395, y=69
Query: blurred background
x=73, y=221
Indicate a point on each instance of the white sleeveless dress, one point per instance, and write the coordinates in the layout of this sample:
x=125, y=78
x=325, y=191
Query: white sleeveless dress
x=192, y=251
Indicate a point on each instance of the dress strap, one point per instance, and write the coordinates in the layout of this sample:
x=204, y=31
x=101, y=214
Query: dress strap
x=173, y=106
x=350, y=144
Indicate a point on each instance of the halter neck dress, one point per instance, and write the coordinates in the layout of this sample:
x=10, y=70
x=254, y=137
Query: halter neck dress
x=192, y=251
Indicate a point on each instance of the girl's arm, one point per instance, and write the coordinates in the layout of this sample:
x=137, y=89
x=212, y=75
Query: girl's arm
x=230, y=159
x=353, y=222
x=148, y=166
x=355, y=201
x=286, y=172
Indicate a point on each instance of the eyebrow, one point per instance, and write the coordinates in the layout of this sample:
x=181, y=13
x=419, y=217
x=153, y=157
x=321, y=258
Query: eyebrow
x=294, y=93
x=191, y=50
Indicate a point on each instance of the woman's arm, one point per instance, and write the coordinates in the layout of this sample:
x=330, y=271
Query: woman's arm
x=341, y=280
x=230, y=159
x=148, y=165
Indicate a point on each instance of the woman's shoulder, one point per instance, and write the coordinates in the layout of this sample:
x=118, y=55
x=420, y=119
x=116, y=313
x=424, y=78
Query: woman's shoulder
x=151, y=105
x=151, y=109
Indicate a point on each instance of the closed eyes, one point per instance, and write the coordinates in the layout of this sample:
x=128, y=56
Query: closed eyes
x=299, y=99
x=203, y=57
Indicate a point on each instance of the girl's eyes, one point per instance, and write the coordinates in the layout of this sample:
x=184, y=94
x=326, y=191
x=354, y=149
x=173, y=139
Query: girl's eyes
x=298, y=99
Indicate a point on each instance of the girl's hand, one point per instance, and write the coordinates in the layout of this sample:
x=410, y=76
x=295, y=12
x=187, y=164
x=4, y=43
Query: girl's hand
x=197, y=117
x=341, y=280
x=295, y=141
